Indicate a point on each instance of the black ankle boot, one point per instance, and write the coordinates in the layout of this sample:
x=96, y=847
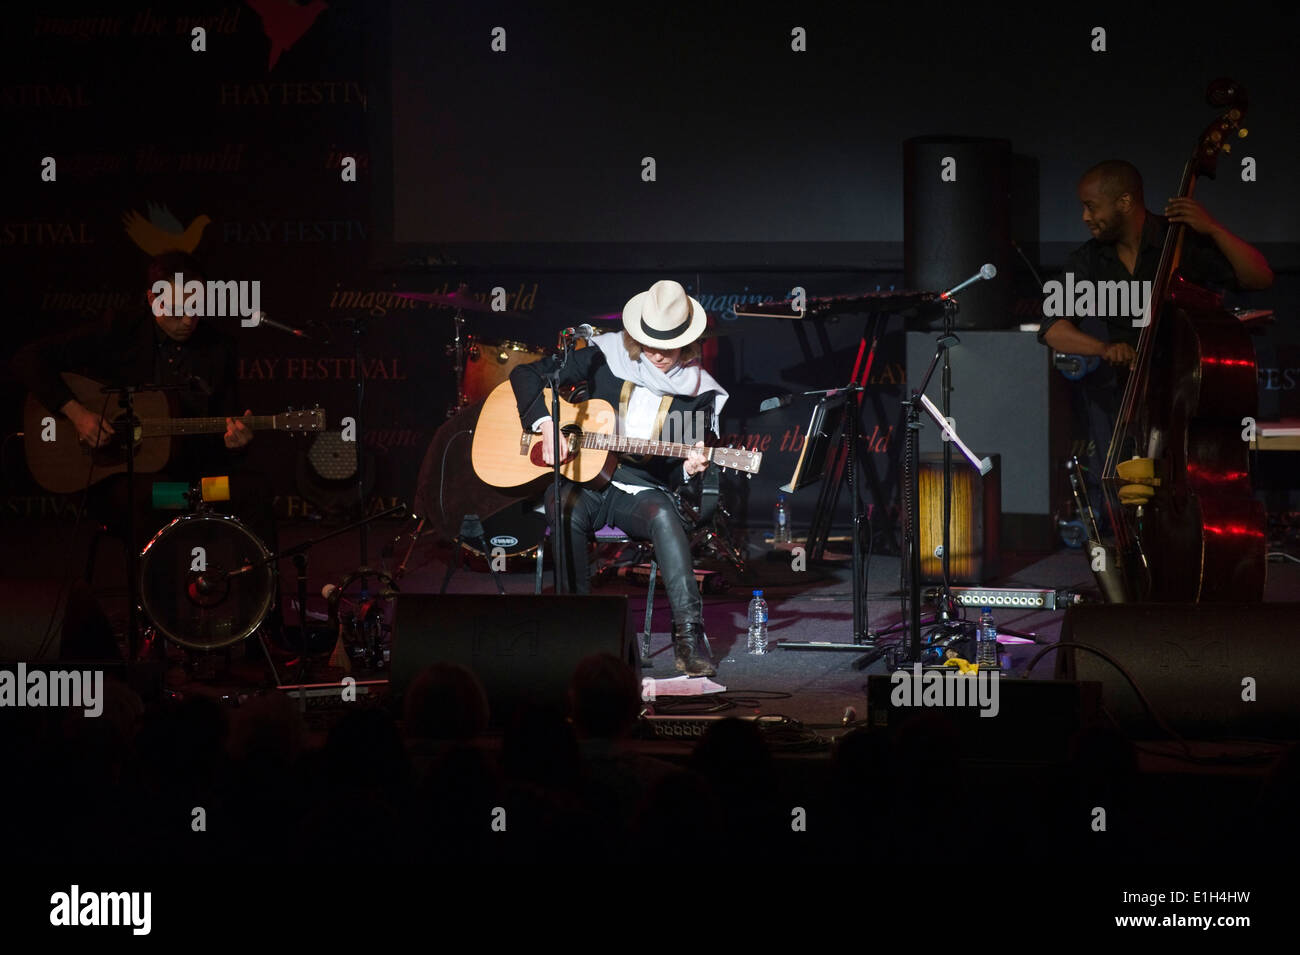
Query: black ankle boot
x=686, y=650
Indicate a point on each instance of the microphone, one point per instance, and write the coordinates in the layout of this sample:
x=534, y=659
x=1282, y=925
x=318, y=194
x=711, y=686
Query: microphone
x=200, y=588
x=771, y=404
x=987, y=271
x=333, y=595
x=583, y=331
x=259, y=318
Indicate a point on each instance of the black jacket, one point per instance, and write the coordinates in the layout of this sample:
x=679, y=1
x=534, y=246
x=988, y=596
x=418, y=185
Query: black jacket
x=588, y=371
x=128, y=348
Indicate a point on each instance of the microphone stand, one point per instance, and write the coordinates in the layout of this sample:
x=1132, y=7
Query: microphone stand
x=126, y=401
x=915, y=403
x=559, y=533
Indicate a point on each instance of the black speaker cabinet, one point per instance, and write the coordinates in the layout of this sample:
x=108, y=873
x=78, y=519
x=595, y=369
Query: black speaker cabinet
x=956, y=218
x=975, y=509
x=523, y=648
x=1034, y=723
x=1194, y=663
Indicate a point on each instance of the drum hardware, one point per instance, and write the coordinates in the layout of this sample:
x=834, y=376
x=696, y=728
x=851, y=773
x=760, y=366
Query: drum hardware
x=207, y=582
x=364, y=624
x=299, y=554
x=462, y=346
x=471, y=532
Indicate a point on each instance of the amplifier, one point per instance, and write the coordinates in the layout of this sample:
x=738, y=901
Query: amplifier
x=692, y=727
x=324, y=704
x=1018, y=598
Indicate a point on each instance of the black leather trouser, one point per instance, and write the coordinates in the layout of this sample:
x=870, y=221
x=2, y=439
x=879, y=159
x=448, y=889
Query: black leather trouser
x=648, y=515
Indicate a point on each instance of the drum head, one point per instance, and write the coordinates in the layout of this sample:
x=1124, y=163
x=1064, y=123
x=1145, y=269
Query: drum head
x=193, y=588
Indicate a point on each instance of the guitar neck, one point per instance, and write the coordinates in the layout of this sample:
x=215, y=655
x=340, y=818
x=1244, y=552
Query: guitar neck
x=621, y=444
x=164, y=427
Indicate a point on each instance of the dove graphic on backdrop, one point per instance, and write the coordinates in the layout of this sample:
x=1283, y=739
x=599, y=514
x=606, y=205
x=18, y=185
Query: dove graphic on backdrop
x=162, y=231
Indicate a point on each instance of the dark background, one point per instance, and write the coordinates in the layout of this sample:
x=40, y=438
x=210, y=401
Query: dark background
x=523, y=170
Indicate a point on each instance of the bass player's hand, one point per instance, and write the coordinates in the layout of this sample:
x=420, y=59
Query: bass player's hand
x=1119, y=353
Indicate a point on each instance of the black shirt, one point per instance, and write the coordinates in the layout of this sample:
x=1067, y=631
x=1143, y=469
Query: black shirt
x=129, y=348
x=1201, y=263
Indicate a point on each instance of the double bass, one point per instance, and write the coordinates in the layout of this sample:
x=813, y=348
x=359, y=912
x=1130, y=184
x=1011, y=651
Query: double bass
x=1177, y=472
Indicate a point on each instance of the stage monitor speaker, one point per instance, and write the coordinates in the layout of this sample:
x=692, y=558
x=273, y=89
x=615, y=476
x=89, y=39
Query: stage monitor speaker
x=1209, y=670
x=1006, y=400
x=1035, y=719
x=973, y=526
x=524, y=649
x=957, y=217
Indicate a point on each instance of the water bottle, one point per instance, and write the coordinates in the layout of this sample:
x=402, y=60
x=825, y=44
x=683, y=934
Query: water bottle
x=781, y=522
x=758, y=623
x=987, y=652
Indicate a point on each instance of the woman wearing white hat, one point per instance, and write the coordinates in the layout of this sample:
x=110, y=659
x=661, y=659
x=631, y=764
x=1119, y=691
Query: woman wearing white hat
x=650, y=372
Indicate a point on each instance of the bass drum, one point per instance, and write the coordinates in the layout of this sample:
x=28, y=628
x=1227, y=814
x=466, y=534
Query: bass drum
x=490, y=363
x=202, y=583
x=517, y=530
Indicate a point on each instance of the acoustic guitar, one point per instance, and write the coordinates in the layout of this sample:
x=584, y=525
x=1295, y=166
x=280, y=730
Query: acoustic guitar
x=62, y=464
x=505, y=455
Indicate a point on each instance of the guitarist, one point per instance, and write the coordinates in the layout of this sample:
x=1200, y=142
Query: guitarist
x=141, y=347
x=1125, y=246
x=650, y=372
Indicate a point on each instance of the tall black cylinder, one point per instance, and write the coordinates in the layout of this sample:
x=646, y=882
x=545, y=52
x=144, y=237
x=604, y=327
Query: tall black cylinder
x=957, y=217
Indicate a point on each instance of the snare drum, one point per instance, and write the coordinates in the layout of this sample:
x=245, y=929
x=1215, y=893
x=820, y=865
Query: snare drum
x=202, y=583
x=490, y=363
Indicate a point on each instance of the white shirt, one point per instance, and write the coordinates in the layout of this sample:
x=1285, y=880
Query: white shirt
x=642, y=410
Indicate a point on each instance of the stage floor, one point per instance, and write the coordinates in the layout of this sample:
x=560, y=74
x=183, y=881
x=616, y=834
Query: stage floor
x=816, y=687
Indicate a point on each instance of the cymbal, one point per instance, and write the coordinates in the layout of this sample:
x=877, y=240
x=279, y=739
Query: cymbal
x=460, y=299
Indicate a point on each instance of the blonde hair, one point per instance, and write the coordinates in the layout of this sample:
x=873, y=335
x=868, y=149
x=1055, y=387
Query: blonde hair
x=690, y=352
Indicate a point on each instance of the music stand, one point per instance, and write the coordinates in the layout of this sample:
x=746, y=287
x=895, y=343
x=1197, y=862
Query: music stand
x=824, y=427
x=829, y=424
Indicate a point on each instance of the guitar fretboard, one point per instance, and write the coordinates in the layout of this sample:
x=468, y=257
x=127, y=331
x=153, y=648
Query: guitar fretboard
x=621, y=444
x=161, y=427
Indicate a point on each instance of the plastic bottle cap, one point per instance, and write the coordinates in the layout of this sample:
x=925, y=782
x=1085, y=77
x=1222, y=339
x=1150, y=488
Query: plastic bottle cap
x=758, y=593
x=987, y=610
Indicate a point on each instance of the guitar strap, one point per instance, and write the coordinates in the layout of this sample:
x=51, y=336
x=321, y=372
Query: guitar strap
x=709, y=501
x=664, y=404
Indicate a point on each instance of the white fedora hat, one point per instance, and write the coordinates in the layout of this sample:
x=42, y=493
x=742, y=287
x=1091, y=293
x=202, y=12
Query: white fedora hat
x=664, y=316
